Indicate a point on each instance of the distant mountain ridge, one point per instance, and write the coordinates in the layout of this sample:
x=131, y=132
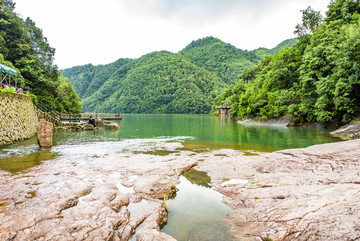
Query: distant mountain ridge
x=262, y=52
x=164, y=82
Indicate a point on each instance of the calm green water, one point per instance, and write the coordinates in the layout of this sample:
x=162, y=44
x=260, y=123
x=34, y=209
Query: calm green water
x=154, y=133
x=210, y=132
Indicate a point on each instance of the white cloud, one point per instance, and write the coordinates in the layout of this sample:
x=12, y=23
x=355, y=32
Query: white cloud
x=89, y=31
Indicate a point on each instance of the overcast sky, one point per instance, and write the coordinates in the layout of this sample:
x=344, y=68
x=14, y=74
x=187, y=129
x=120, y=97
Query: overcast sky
x=100, y=32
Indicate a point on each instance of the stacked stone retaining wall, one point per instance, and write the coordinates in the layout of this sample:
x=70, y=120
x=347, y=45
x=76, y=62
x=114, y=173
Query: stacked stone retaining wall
x=18, y=118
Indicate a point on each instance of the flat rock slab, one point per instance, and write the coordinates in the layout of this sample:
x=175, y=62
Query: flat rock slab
x=299, y=194
x=89, y=199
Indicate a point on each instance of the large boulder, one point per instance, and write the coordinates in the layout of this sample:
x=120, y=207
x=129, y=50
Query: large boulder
x=112, y=126
x=106, y=124
x=349, y=131
x=89, y=127
x=79, y=126
x=44, y=133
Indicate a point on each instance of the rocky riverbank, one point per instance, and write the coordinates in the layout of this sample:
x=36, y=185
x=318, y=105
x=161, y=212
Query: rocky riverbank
x=95, y=198
x=84, y=126
x=349, y=131
x=302, y=194
x=299, y=194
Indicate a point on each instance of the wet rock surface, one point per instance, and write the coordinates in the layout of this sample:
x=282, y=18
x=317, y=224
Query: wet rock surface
x=300, y=194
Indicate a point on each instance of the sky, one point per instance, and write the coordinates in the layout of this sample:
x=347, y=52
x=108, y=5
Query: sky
x=100, y=32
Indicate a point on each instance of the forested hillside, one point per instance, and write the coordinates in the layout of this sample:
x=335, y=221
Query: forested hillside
x=225, y=60
x=163, y=82
x=261, y=53
x=88, y=78
x=317, y=80
x=218, y=57
x=24, y=48
x=159, y=82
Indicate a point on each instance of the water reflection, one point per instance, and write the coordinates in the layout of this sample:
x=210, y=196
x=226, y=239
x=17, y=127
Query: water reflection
x=198, y=178
x=196, y=213
x=211, y=132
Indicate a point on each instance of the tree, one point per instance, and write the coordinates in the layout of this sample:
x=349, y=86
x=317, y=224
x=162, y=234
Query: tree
x=311, y=20
x=342, y=10
x=23, y=45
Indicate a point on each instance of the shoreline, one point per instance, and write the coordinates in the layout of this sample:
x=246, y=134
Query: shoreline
x=302, y=195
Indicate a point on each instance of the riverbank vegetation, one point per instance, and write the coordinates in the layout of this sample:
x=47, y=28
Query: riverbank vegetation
x=316, y=80
x=24, y=48
x=164, y=82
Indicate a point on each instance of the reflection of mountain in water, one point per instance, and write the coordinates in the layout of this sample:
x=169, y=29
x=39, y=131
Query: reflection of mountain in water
x=197, y=212
x=198, y=178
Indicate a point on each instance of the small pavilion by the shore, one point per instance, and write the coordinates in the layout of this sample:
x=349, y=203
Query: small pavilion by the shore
x=223, y=110
x=8, y=77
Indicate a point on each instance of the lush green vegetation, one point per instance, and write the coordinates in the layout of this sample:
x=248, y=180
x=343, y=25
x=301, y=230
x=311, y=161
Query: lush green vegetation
x=317, y=80
x=159, y=82
x=261, y=53
x=223, y=59
x=163, y=82
x=24, y=48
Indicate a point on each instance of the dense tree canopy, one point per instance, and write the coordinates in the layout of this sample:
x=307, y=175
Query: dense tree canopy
x=218, y=57
x=317, y=80
x=159, y=82
x=23, y=46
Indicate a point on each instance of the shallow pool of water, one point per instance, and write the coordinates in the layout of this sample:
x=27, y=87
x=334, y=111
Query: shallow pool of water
x=197, y=211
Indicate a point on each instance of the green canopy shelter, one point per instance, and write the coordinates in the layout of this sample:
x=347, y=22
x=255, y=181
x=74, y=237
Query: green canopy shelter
x=5, y=75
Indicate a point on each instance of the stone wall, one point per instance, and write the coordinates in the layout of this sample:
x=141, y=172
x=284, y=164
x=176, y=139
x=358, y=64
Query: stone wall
x=18, y=118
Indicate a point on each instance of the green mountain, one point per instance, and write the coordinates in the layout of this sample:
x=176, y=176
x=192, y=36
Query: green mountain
x=218, y=57
x=159, y=82
x=162, y=82
x=224, y=59
x=88, y=79
x=261, y=53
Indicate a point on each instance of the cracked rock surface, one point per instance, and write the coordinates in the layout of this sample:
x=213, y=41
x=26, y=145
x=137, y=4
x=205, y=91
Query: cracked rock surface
x=300, y=194
x=100, y=198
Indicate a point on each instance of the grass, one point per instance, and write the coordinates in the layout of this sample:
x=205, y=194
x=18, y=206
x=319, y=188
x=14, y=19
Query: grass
x=267, y=239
